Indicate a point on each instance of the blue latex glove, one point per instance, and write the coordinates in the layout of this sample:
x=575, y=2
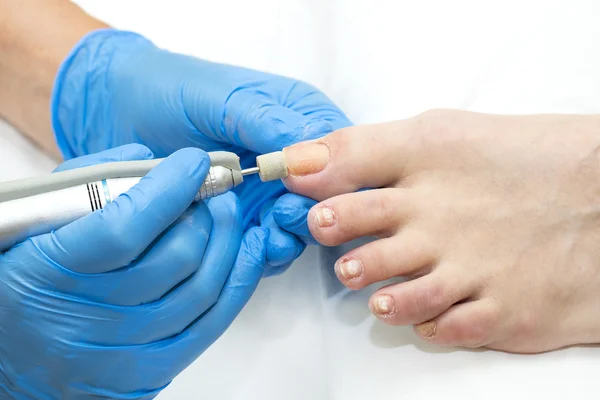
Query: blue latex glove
x=290, y=213
x=116, y=304
x=117, y=87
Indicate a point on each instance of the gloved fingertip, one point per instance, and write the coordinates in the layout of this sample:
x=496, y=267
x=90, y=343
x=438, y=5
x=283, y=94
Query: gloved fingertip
x=315, y=129
x=135, y=151
x=195, y=159
x=271, y=270
x=283, y=247
x=340, y=123
x=280, y=258
x=290, y=213
x=273, y=127
x=291, y=210
x=227, y=200
x=305, y=128
x=227, y=209
x=178, y=178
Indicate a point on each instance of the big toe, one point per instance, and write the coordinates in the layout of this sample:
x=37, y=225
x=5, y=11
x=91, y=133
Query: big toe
x=347, y=160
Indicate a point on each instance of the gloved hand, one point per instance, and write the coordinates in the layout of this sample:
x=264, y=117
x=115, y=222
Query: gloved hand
x=116, y=304
x=290, y=213
x=117, y=87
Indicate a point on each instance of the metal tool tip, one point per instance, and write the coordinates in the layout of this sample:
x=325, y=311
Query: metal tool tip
x=250, y=171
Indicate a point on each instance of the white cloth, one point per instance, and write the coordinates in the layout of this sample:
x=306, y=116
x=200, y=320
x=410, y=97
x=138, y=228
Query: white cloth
x=302, y=336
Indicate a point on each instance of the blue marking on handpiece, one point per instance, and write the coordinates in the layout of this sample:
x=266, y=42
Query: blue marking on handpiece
x=107, y=195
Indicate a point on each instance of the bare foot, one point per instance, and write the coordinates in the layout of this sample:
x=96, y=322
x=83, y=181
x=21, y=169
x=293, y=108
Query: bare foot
x=495, y=220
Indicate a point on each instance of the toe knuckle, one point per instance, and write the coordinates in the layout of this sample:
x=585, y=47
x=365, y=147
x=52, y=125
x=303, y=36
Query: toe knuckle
x=472, y=337
x=339, y=140
x=421, y=302
x=388, y=211
x=376, y=265
x=475, y=334
x=387, y=206
x=435, y=114
x=437, y=126
x=432, y=297
x=526, y=324
x=346, y=229
x=477, y=331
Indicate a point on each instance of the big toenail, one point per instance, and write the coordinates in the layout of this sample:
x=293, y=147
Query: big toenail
x=325, y=217
x=427, y=329
x=306, y=158
x=383, y=304
x=350, y=268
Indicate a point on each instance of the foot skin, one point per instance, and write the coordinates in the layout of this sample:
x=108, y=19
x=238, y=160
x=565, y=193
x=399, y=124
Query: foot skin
x=494, y=220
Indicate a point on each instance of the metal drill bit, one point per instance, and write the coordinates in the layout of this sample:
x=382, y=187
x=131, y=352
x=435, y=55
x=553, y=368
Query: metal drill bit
x=250, y=171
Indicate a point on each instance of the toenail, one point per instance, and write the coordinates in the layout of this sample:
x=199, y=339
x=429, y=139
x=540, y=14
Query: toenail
x=349, y=268
x=307, y=158
x=384, y=304
x=325, y=217
x=427, y=329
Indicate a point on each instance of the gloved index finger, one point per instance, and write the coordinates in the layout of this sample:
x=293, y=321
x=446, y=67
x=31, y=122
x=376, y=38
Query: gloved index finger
x=271, y=126
x=317, y=106
x=127, y=152
x=114, y=236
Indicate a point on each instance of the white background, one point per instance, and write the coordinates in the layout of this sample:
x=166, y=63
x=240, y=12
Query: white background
x=302, y=336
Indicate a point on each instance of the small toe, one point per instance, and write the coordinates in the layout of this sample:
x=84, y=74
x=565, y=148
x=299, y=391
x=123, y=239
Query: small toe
x=421, y=299
x=378, y=212
x=471, y=324
x=401, y=255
